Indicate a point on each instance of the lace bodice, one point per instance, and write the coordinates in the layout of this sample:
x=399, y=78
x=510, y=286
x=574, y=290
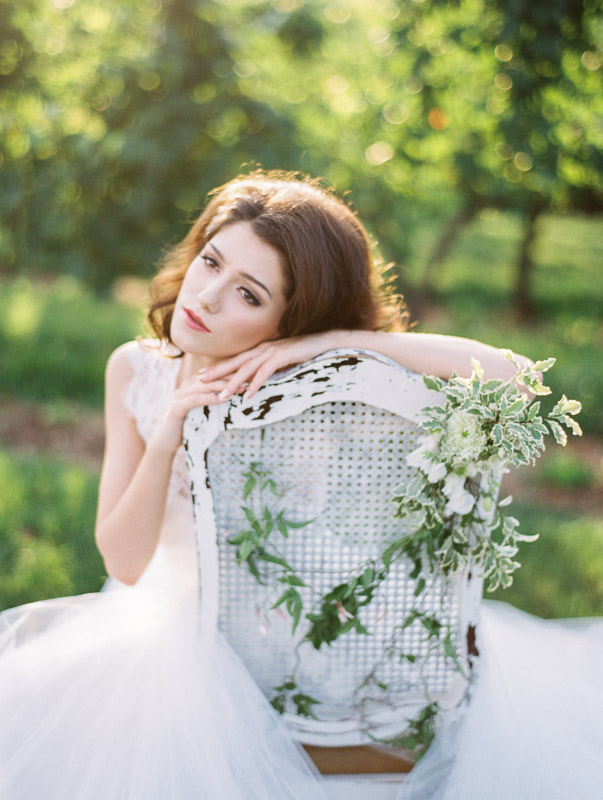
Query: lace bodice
x=147, y=398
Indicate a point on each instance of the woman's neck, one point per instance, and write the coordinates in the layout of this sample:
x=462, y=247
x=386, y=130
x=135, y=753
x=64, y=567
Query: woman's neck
x=190, y=364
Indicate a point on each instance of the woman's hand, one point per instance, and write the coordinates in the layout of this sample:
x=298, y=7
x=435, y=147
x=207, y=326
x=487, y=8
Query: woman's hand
x=249, y=370
x=191, y=393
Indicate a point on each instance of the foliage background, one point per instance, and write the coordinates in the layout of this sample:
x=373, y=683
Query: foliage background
x=467, y=133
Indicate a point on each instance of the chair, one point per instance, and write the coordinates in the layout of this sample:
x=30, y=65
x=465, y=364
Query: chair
x=332, y=434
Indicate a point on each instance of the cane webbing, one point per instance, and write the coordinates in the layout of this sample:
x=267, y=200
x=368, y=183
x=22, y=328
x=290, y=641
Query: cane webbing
x=338, y=465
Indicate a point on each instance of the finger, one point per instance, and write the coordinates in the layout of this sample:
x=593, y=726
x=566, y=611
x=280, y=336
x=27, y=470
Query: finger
x=195, y=384
x=195, y=401
x=261, y=376
x=243, y=376
x=192, y=398
x=230, y=365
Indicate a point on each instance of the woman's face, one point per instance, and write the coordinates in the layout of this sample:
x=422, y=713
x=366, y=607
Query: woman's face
x=232, y=297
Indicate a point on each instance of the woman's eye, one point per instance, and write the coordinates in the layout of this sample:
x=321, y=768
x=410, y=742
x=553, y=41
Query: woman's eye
x=249, y=297
x=209, y=261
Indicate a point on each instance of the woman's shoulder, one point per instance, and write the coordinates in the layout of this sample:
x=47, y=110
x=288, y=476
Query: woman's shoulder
x=143, y=374
x=140, y=354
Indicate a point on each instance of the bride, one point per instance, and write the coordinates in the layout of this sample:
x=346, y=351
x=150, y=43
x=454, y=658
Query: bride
x=118, y=694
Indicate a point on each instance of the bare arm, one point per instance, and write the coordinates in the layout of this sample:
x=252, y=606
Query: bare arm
x=135, y=476
x=436, y=354
x=427, y=353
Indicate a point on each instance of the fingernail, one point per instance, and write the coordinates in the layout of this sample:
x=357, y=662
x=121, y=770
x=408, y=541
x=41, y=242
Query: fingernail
x=247, y=395
x=202, y=371
x=224, y=394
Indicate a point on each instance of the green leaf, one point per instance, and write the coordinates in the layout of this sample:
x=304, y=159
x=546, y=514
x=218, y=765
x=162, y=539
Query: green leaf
x=544, y=366
x=245, y=550
x=264, y=556
x=252, y=567
x=572, y=407
x=517, y=405
x=278, y=703
x=367, y=577
x=238, y=537
x=558, y=432
x=304, y=703
x=297, y=610
x=419, y=587
x=491, y=385
x=283, y=597
x=449, y=648
x=294, y=525
x=249, y=487
x=292, y=580
x=497, y=434
x=433, y=383
x=477, y=368
x=573, y=425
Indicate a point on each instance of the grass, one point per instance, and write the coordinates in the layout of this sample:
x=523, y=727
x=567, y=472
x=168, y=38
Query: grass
x=567, y=471
x=55, y=339
x=561, y=574
x=47, y=512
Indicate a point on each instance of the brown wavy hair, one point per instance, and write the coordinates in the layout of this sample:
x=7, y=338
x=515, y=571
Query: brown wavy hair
x=333, y=278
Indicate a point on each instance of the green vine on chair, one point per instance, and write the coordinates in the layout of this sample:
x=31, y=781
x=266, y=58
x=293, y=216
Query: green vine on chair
x=481, y=429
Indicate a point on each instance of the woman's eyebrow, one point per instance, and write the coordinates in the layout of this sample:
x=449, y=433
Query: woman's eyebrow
x=242, y=274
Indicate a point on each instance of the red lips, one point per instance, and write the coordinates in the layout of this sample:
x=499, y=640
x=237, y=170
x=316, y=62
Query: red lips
x=194, y=322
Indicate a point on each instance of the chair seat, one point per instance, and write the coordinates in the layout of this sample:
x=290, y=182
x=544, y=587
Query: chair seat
x=360, y=760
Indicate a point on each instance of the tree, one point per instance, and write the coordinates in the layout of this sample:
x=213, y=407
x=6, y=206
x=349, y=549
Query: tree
x=128, y=112
x=539, y=147
x=439, y=106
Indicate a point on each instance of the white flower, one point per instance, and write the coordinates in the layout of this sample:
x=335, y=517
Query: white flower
x=436, y=472
x=460, y=501
x=485, y=507
x=423, y=458
x=420, y=456
x=464, y=440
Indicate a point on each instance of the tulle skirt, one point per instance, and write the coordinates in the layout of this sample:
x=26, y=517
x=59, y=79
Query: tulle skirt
x=121, y=695
x=534, y=725
x=116, y=695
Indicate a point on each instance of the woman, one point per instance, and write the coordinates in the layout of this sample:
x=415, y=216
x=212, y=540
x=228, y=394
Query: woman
x=118, y=695
x=280, y=270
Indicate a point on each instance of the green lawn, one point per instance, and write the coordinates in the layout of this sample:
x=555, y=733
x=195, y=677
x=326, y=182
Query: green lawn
x=47, y=511
x=562, y=572
x=55, y=339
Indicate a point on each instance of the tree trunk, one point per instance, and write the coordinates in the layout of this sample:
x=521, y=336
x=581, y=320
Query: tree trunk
x=443, y=246
x=524, y=301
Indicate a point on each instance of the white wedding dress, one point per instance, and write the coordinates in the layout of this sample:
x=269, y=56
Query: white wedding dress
x=122, y=695
x=119, y=695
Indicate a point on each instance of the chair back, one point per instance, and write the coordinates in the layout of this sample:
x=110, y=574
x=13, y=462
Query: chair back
x=320, y=451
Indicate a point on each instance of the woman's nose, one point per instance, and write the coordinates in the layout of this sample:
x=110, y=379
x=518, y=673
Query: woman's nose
x=209, y=295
